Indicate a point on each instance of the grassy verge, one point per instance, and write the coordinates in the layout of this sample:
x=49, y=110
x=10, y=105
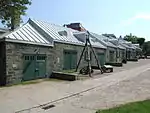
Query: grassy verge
x=136, y=107
x=39, y=81
x=32, y=82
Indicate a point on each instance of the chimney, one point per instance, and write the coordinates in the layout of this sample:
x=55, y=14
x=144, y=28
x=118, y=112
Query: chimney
x=76, y=26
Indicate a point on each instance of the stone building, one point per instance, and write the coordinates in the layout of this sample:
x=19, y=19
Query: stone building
x=67, y=44
x=121, y=51
x=130, y=49
x=99, y=48
x=22, y=51
x=111, y=51
x=37, y=48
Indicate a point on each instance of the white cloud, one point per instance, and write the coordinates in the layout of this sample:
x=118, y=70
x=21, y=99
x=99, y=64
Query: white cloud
x=143, y=16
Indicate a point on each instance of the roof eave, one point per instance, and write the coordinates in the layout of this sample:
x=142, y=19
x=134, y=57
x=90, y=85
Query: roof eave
x=27, y=42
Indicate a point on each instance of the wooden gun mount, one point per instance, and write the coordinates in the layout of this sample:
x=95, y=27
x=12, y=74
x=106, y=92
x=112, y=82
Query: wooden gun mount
x=105, y=68
x=85, y=70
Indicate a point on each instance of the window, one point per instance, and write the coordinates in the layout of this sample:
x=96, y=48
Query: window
x=34, y=57
x=27, y=58
x=41, y=57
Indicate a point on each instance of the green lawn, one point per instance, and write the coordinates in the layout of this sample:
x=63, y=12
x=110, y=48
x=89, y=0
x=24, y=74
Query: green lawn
x=136, y=107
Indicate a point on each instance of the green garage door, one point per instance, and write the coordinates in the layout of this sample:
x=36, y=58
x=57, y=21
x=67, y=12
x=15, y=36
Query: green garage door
x=70, y=60
x=40, y=66
x=111, y=56
x=101, y=58
x=34, y=67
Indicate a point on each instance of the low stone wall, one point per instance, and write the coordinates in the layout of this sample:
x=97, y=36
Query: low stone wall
x=115, y=64
x=133, y=59
x=63, y=76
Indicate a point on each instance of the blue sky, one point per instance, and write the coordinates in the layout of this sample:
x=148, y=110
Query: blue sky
x=120, y=17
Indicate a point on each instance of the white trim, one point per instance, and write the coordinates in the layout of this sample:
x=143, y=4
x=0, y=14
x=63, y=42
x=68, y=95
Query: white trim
x=26, y=42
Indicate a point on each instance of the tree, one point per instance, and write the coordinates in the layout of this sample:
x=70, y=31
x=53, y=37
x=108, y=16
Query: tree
x=135, y=39
x=140, y=41
x=146, y=48
x=131, y=38
x=12, y=10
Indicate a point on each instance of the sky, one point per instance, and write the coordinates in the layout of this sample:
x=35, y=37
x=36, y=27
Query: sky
x=119, y=17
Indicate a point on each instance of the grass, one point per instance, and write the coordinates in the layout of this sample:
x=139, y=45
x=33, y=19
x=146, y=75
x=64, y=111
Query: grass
x=38, y=81
x=32, y=82
x=135, y=107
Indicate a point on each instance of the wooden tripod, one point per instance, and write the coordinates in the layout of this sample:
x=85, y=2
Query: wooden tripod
x=86, y=47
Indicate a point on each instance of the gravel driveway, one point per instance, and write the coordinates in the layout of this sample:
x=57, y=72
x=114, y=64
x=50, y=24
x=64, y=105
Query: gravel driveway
x=129, y=90
x=126, y=84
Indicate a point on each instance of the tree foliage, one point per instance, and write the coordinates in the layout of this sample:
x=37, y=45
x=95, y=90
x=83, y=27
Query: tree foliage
x=146, y=48
x=135, y=39
x=131, y=38
x=12, y=10
x=140, y=41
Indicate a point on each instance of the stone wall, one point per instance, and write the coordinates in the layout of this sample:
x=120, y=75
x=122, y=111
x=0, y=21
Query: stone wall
x=97, y=50
x=54, y=59
x=58, y=55
x=108, y=55
x=120, y=55
x=14, y=60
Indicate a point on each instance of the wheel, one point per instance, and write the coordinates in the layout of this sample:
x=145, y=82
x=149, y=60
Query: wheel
x=85, y=70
